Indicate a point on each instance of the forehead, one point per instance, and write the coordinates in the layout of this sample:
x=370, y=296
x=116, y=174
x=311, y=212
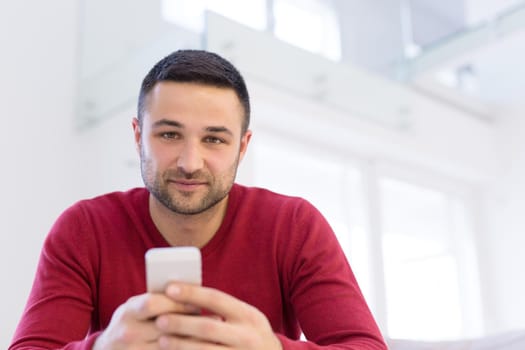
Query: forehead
x=193, y=103
x=182, y=98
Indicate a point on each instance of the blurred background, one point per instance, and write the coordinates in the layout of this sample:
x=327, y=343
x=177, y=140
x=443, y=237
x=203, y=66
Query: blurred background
x=401, y=120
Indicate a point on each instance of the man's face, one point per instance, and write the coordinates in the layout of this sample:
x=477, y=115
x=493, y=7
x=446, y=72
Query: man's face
x=190, y=144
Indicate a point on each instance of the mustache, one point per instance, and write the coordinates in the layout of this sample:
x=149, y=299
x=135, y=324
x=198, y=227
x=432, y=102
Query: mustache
x=181, y=174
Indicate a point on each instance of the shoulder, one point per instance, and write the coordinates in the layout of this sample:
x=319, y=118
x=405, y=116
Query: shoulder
x=277, y=210
x=263, y=197
x=88, y=216
x=109, y=205
x=112, y=200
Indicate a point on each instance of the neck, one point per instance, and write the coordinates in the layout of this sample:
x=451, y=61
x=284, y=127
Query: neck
x=187, y=230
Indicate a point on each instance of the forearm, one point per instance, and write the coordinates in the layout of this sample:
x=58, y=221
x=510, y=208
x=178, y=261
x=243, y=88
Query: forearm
x=356, y=343
x=21, y=342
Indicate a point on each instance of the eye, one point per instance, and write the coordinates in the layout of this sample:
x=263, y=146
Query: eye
x=213, y=140
x=169, y=135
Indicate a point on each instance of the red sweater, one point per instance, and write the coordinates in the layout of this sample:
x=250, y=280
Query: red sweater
x=275, y=252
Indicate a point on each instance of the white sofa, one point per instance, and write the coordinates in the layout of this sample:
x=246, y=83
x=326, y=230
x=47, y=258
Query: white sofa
x=514, y=340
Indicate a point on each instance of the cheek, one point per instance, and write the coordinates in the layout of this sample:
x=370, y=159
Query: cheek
x=223, y=163
x=152, y=147
x=153, y=154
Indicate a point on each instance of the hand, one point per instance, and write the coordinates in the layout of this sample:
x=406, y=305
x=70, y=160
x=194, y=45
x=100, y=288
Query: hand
x=233, y=324
x=132, y=325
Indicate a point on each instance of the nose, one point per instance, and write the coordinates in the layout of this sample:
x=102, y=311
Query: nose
x=190, y=158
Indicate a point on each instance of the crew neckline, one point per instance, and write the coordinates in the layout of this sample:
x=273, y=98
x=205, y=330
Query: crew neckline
x=218, y=237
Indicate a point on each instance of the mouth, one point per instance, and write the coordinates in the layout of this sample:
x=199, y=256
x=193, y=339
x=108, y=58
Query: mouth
x=187, y=185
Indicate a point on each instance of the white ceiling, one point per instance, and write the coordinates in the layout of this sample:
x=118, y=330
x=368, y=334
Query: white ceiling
x=489, y=51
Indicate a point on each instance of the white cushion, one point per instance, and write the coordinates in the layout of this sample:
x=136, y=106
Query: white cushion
x=506, y=341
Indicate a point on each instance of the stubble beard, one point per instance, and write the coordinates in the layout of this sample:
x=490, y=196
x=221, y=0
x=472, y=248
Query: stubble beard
x=185, y=203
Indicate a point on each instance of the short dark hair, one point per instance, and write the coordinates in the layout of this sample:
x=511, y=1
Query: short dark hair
x=196, y=66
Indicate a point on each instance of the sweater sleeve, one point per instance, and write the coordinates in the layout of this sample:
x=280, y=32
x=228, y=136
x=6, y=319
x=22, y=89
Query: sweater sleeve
x=59, y=311
x=323, y=291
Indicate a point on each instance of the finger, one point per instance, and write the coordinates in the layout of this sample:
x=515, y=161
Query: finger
x=220, y=303
x=144, y=331
x=150, y=305
x=170, y=342
x=127, y=332
x=207, y=329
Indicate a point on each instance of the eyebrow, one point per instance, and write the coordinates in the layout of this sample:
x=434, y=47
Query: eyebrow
x=213, y=129
x=219, y=129
x=164, y=122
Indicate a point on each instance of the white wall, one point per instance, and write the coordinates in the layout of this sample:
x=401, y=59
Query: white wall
x=48, y=165
x=504, y=205
x=36, y=98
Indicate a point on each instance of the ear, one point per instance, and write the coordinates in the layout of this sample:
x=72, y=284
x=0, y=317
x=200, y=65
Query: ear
x=245, y=140
x=136, y=133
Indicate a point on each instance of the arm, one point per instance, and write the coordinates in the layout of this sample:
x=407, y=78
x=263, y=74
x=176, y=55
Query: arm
x=322, y=290
x=60, y=304
x=80, y=282
x=62, y=311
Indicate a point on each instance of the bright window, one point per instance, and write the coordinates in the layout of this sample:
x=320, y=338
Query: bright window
x=422, y=275
x=190, y=13
x=309, y=24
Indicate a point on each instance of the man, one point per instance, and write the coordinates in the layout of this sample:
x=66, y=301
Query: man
x=272, y=267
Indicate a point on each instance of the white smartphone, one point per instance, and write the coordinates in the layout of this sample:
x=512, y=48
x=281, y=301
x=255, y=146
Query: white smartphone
x=165, y=265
